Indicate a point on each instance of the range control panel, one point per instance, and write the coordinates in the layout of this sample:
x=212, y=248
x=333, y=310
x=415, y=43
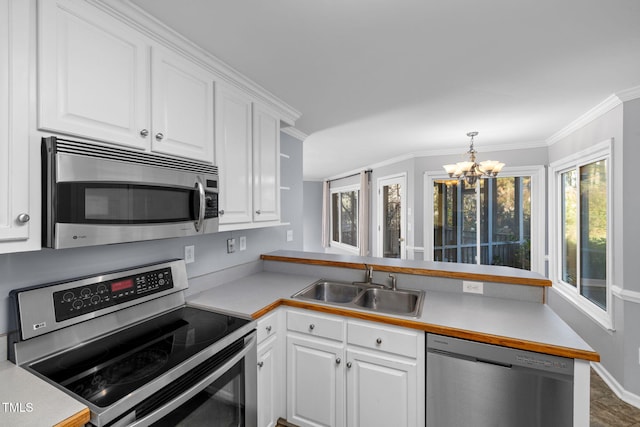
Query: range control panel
x=70, y=303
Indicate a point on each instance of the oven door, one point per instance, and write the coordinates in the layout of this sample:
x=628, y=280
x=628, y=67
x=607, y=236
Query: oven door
x=226, y=396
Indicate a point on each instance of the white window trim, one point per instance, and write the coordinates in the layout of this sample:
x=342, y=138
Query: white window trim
x=538, y=211
x=339, y=245
x=600, y=151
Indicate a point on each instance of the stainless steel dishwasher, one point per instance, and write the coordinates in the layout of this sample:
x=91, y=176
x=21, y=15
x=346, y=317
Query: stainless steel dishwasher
x=476, y=384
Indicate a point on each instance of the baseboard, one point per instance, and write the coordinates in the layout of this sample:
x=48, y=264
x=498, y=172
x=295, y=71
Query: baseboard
x=615, y=386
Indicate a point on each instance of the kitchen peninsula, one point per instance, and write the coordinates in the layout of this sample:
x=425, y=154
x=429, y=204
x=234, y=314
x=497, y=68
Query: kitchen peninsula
x=511, y=312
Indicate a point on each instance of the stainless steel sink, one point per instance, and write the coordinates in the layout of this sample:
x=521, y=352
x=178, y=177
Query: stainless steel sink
x=398, y=302
x=330, y=292
x=364, y=296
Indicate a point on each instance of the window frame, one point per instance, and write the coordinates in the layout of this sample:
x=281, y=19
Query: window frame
x=538, y=211
x=336, y=244
x=598, y=152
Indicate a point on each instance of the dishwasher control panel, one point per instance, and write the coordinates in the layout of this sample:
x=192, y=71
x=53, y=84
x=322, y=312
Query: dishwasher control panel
x=498, y=355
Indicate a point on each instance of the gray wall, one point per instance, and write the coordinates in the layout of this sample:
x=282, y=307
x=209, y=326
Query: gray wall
x=312, y=234
x=33, y=268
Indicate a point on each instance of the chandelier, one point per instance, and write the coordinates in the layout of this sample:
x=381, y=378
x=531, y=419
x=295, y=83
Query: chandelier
x=470, y=171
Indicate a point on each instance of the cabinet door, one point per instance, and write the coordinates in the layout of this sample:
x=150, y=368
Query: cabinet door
x=16, y=181
x=182, y=106
x=269, y=393
x=93, y=74
x=315, y=382
x=233, y=154
x=266, y=165
x=381, y=390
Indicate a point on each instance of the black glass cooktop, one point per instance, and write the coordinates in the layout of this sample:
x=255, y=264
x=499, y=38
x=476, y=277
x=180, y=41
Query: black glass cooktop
x=104, y=371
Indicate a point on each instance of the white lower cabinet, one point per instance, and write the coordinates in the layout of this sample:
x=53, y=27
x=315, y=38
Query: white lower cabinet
x=346, y=372
x=271, y=384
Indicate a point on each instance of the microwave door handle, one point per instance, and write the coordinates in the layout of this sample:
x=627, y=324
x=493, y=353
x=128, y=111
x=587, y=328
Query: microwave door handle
x=202, y=206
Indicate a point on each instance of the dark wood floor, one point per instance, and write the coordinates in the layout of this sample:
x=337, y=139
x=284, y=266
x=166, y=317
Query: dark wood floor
x=609, y=411
x=606, y=409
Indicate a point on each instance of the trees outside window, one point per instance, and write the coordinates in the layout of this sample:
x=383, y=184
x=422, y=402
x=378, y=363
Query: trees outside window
x=496, y=223
x=580, y=235
x=344, y=217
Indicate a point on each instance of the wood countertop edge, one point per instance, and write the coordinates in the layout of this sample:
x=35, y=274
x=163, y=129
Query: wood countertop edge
x=529, y=281
x=554, y=350
x=78, y=419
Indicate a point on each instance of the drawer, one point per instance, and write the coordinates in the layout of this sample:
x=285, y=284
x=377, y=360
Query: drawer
x=267, y=326
x=401, y=341
x=316, y=325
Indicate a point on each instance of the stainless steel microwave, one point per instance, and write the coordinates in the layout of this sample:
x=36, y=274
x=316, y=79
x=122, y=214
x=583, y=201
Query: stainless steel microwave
x=98, y=195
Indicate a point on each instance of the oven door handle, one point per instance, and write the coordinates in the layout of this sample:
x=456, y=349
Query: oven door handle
x=166, y=409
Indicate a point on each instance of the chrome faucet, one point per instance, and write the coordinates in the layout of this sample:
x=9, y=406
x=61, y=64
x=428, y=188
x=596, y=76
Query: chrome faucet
x=394, y=282
x=368, y=274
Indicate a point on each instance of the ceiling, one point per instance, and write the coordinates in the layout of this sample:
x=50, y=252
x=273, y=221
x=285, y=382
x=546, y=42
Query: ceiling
x=380, y=79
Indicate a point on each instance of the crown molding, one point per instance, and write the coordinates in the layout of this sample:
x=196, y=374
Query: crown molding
x=602, y=108
x=629, y=94
x=151, y=27
x=296, y=133
x=599, y=110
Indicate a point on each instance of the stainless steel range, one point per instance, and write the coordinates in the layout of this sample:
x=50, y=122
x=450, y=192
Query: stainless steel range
x=126, y=345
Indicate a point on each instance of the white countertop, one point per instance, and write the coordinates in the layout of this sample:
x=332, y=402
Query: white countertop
x=28, y=401
x=515, y=321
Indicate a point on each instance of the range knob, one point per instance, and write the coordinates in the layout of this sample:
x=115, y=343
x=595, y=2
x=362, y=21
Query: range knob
x=101, y=289
x=77, y=304
x=85, y=292
x=68, y=296
x=95, y=299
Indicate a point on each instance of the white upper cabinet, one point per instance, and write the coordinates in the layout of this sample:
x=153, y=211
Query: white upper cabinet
x=93, y=75
x=101, y=79
x=19, y=179
x=182, y=106
x=233, y=155
x=266, y=164
x=248, y=154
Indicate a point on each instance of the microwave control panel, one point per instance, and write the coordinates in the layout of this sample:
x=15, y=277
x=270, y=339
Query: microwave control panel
x=74, y=302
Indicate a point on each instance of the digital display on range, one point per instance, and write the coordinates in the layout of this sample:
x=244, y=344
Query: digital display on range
x=121, y=285
x=92, y=297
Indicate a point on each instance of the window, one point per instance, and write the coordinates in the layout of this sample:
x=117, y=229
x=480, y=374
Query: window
x=582, y=217
x=344, y=217
x=496, y=222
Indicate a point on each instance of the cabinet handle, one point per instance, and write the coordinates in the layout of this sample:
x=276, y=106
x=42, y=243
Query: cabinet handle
x=379, y=341
x=260, y=364
x=159, y=136
x=349, y=365
x=221, y=212
x=24, y=218
x=338, y=360
x=268, y=328
x=258, y=212
x=312, y=327
x=144, y=133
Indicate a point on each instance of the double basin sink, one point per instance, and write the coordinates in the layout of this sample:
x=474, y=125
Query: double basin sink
x=364, y=296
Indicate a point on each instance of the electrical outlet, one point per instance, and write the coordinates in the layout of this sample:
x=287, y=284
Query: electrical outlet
x=231, y=245
x=243, y=243
x=472, y=287
x=189, y=254
x=289, y=235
